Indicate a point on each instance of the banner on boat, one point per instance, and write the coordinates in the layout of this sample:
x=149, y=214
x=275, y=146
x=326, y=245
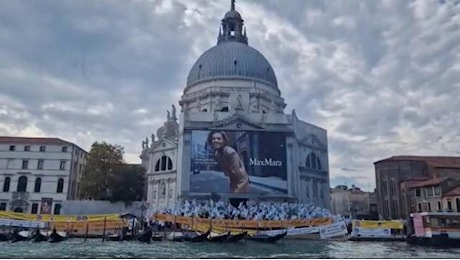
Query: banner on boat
x=91, y=226
x=22, y=223
x=371, y=232
x=247, y=224
x=293, y=231
x=392, y=224
x=56, y=218
x=333, y=230
x=73, y=227
x=238, y=162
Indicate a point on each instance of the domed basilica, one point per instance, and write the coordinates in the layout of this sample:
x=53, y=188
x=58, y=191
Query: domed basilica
x=232, y=139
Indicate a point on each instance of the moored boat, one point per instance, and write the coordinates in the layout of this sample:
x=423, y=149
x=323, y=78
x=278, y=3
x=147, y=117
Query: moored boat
x=39, y=236
x=4, y=237
x=157, y=237
x=114, y=237
x=237, y=237
x=266, y=238
x=197, y=237
x=145, y=236
x=175, y=236
x=378, y=231
x=436, y=229
x=56, y=237
x=218, y=238
x=19, y=236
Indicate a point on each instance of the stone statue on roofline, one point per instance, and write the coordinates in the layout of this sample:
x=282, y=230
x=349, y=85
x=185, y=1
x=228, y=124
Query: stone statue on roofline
x=174, y=116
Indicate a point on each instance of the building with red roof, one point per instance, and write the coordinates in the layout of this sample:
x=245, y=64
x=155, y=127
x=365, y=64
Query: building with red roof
x=397, y=176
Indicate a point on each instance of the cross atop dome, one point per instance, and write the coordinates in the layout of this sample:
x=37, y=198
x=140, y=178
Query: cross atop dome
x=232, y=27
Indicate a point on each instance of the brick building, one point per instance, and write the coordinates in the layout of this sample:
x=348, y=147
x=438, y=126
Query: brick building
x=395, y=175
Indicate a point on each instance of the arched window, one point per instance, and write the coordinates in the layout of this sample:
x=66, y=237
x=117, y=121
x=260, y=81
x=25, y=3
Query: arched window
x=163, y=164
x=22, y=184
x=6, y=184
x=313, y=162
x=170, y=164
x=60, y=185
x=38, y=185
x=157, y=166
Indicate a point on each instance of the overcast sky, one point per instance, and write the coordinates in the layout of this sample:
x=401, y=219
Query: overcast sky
x=383, y=77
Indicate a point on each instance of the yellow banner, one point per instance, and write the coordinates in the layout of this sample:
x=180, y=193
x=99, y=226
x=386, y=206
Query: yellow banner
x=394, y=224
x=220, y=230
x=92, y=226
x=57, y=218
x=251, y=224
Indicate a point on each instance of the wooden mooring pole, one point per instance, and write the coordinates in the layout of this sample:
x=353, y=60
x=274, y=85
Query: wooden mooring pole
x=103, y=232
x=86, y=231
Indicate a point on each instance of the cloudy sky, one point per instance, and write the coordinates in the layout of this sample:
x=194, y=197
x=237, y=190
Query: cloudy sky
x=383, y=77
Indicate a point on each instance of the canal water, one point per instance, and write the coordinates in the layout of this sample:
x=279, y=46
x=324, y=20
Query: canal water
x=95, y=248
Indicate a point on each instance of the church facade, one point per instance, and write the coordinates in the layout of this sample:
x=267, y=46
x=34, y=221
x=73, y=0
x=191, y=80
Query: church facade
x=232, y=138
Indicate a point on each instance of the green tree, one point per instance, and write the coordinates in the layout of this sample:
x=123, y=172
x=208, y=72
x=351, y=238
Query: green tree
x=129, y=184
x=103, y=162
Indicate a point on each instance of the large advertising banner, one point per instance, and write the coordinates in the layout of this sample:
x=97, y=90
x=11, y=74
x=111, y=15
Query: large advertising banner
x=238, y=162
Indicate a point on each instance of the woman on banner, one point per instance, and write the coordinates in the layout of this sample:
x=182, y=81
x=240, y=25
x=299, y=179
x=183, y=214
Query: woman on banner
x=229, y=161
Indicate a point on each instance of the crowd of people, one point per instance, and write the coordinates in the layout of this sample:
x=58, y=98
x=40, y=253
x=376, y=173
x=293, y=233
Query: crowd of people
x=250, y=210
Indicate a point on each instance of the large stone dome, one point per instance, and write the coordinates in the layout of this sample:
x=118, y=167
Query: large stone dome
x=234, y=60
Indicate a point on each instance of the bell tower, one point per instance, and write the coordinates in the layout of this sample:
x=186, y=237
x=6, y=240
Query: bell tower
x=232, y=27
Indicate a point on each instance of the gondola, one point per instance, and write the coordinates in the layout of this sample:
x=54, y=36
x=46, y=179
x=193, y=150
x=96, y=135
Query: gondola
x=176, y=237
x=119, y=236
x=56, y=237
x=38, y=236
x=145, y=236
x=197, y=238
x=267, y=238
x=237, y=237
x=5, y=237
x=114, y=237
x=19, y=236
x=219, y=238
x=157, y=237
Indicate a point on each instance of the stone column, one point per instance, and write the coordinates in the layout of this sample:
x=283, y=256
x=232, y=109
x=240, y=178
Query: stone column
x=157, y=191
x=167, y=192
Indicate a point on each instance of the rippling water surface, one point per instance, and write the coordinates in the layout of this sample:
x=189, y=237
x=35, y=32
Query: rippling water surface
x=94, y=248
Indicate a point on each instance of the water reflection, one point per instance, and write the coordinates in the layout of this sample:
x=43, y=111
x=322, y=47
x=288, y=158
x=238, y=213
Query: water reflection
x=76, y=248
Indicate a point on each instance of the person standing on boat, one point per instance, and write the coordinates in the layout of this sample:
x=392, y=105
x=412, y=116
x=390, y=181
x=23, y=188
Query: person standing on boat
x=229, y=162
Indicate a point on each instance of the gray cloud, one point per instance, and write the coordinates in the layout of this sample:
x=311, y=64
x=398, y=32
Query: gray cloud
x=380, y=76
